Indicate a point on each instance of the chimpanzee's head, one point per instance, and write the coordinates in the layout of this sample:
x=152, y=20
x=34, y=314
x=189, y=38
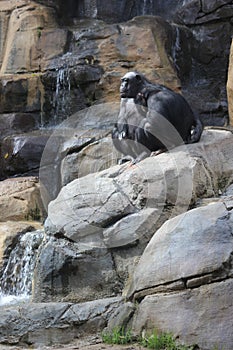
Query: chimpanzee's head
x=131, y=84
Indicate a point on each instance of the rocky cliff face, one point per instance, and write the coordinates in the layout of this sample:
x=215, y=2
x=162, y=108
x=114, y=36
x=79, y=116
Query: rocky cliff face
x=119, y=234
x=58, y=58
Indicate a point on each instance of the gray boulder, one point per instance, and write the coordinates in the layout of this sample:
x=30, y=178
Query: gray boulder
x=184, y=278
x=172, y=180
x=41, y=324
x=73, y=272
x=102, y=222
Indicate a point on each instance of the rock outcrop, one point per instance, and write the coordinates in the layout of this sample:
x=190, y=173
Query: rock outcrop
x=184, y=278
x=91, y=252
x=114, y=230
x=68, y=58
x=54, y=323
x=117, y=232
x=94, y=219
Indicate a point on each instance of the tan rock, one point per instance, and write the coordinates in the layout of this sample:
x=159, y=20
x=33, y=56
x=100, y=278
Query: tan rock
x=20, y=199
x=20, y=92
x=27, y=30
x=230, y=86
x=140, y=45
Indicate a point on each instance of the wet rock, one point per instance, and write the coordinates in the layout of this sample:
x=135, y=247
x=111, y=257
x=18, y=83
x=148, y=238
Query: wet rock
x=21, y=154
x=12, y=123
x=20, y=93
x=68, y=89
x=9, y=230
x=82, y=272
x=196, y=12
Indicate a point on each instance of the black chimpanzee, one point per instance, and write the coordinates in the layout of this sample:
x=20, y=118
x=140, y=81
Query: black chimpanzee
x=152, y=118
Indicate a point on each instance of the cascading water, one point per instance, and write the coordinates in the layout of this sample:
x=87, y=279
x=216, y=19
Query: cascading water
x=17, y=274
x=90, y=8
x=176, y=49
x=62, y=94
x=147, y=8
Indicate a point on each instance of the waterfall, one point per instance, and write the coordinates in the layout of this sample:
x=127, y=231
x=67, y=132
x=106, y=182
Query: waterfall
x=147, y=8
x=176, y=48
x=16, y=275
x=62, y=95
x=91, y=8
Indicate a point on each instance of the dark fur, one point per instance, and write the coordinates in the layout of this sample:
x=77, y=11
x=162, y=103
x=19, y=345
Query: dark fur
x=158, y=119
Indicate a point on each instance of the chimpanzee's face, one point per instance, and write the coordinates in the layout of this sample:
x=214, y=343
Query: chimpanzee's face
x=130, y=85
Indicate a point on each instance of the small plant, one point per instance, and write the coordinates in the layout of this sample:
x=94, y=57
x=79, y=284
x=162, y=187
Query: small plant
x=161, y=341
x=33, y=214
x=39, y=32
x=154, y=341
x=118, y=336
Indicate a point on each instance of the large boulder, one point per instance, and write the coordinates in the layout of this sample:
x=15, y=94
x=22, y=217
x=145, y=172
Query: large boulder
x=74, y=272
x=184, y=278
x=88, y=221
x=41, y=324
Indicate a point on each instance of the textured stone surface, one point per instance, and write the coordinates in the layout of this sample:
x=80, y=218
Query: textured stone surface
x=28, y=28
x=21, y=154
x=18, y=122
x=53, y=323
x=143, y=39
x=74, y=272
x=20, y=199
x=201, y=316
x=183, y=239
x=112, y=215
x=172, y=178
x=184, y=278
x=94, y=157
x=20, y=93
